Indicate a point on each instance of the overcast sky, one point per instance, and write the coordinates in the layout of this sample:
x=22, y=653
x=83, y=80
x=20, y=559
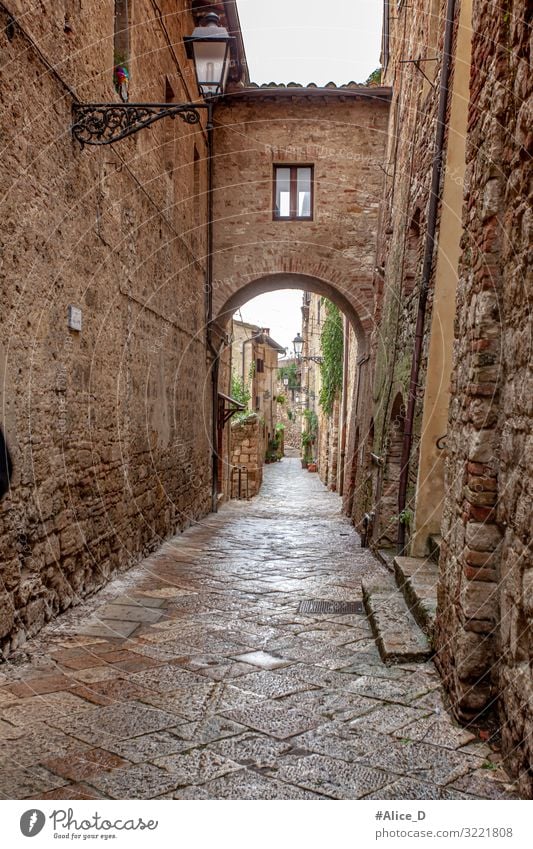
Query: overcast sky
x=295, y=41
x=303, y=42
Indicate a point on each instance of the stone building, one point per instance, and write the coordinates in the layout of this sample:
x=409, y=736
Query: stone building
x=254, y=357
x=441, y=461
x=105, y=423
x=114, y=428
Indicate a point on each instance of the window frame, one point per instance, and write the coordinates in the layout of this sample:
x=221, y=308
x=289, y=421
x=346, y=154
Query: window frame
x=293, y=166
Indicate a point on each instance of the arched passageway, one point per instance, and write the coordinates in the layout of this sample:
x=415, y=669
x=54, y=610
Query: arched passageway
x=344, y=414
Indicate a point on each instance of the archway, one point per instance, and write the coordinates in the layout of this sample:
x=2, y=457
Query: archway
x=244, y=290
x=276, y=282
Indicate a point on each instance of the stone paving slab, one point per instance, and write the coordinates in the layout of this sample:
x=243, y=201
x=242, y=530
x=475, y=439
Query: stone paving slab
x=332, y=777
x=398, y=636
x=214, y=686
x=247, y=784
x=274, y=720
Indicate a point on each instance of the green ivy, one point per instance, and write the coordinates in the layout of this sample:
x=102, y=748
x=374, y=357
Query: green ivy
x=290, y=371
x=374, y=78
x=332, y=347
x=310, y=434
x=241, y=393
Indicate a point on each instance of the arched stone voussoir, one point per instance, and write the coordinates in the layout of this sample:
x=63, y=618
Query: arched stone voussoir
x=232, y=294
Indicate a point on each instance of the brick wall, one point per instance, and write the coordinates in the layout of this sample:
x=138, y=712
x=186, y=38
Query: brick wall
x=337, y=247
x=415, y=30
x=247, y=453
x=484, y=632
x=107, y=427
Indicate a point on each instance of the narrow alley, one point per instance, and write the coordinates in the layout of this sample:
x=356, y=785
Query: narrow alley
x=196, y=676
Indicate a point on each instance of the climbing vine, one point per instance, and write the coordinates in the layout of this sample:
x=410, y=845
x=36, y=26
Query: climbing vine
x=331, y=346
x=242, y=394
x=290, y=371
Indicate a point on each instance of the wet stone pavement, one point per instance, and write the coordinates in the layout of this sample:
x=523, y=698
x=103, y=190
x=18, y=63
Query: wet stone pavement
x=195, y=676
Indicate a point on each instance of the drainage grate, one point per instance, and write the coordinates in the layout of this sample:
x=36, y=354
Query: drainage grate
x=336, y=608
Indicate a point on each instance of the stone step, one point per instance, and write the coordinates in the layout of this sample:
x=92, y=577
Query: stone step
x=417, y=579
x=434, y=543
x=397, y=635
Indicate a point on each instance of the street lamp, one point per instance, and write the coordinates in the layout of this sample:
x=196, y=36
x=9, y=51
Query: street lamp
x=106, y=123
x=285, y=381
x=209, y=47
x=298, y=344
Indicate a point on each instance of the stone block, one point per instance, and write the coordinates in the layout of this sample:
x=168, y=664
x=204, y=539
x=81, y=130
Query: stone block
x=479, y=600
x=473, y=654
x=482, y=537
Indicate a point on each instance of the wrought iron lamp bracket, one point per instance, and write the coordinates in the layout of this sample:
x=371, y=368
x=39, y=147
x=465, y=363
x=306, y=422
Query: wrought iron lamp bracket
x=301, y=358
x=106, y=123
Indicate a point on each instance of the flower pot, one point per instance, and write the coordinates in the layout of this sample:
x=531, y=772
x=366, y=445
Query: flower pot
x=311, y=467
x=304, y=464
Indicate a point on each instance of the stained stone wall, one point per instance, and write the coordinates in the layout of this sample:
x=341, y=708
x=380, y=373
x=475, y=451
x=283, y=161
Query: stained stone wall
x=341, y=133
x=415, y=29
x=248, y=453
x=107, y=426
x=485, y=591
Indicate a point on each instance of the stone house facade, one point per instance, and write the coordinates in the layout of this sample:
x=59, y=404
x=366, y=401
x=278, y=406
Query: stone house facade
x=105, y=424
x=444, y=437
x=289, y=412
x=254, y=356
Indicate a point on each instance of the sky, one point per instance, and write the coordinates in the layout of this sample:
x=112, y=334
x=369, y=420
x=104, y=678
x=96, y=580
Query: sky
x=295, y=41
x=279, y=311
x=298, y=41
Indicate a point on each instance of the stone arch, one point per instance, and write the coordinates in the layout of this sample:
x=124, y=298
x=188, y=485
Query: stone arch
x=231, y=295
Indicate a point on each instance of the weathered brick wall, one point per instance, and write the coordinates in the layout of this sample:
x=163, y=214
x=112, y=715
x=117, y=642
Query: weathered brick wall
x=345, y=142
x=414, y=31
x=247, y=453
x=109, y=427
x=484, y=629
x=328, y=451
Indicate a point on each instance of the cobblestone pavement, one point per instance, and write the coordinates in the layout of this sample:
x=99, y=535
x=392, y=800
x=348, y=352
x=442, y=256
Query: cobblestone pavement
x=195, y=676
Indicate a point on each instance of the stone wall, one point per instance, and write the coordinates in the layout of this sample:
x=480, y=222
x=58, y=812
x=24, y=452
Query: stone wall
x=107, y=426
x=254, y=131
x=485, y=590
x=247, y=453
x=416, y=29
x=328, y=447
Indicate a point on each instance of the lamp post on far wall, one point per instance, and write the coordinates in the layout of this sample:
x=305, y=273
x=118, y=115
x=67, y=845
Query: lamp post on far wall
x=298, y=344
x=209, y=48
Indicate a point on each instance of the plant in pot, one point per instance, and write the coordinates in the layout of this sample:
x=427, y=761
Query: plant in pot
x=309, y=437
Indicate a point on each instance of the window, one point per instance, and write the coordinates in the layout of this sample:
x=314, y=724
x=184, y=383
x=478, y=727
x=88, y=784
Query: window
x=259, y=366
x=293, y=192
x=121, y=58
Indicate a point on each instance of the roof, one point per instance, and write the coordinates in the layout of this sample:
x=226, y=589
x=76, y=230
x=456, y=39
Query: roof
x=264, y=339
x=292, y=90
x=260, y=336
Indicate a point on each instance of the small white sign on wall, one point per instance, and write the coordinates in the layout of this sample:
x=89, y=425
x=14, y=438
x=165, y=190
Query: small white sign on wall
x=74, y=318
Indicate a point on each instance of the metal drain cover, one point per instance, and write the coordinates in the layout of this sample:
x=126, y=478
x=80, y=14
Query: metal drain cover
x=335, y=608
